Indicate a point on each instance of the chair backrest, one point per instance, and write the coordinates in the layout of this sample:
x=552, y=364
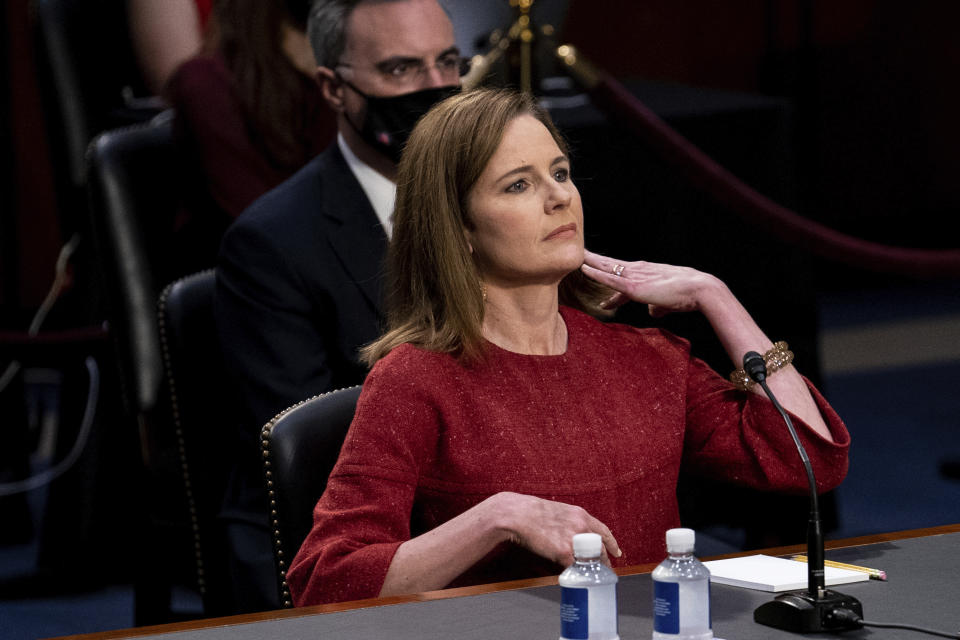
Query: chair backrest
x=196, y=380
x=133, y=188
x=300, y=447
x=134, y=196
x=88, y=74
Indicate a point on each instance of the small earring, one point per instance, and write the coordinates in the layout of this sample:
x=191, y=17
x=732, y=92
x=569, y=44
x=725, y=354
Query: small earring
x=483, y=291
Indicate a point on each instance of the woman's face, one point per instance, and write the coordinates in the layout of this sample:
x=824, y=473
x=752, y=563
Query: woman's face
x=525, y=210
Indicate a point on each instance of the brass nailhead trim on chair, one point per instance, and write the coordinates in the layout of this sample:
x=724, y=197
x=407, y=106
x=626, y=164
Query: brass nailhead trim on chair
x=178, y=431
x=265, y=441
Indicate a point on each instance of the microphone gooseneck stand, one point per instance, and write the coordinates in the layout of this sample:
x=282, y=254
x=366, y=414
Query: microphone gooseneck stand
x=815, y=609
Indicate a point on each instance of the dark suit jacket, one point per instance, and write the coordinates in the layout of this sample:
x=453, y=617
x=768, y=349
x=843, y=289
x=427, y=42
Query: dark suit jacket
x=298, y=292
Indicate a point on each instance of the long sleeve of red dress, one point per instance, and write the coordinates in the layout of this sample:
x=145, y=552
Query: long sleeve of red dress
x=605, y=426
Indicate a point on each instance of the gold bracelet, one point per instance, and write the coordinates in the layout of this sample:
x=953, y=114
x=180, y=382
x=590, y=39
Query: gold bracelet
x=776, y=358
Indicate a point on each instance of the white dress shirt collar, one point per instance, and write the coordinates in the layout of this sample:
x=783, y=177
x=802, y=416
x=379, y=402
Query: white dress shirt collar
x=381, y=191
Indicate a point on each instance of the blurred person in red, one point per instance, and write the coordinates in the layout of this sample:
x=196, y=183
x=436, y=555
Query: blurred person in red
x=248, y=115
x=166, y=33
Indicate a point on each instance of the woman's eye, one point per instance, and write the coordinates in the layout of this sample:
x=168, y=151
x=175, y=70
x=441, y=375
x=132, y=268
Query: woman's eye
x=561, y=175
x=517, y=187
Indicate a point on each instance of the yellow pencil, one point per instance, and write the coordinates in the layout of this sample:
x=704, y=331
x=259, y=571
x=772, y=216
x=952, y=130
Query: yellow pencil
x=875, y=574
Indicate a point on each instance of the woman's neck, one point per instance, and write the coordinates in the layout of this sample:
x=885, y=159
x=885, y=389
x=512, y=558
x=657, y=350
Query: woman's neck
x=525, y=320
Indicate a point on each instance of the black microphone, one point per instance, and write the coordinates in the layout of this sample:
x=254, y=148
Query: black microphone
x=755, y=367
x=812, y=610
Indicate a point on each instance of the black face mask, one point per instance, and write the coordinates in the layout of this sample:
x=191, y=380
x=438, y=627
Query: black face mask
x=389, y=121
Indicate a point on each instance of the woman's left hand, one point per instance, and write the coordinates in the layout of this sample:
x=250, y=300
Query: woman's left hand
x=663, y=288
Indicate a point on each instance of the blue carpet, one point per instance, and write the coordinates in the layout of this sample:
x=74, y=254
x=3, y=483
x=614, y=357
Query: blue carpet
x=902, y=422
x=101, y=610
x=29, y=618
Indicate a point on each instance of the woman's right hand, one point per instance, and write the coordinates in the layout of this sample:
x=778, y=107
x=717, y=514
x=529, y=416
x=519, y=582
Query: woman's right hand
x=547, y=528
x=435, y=558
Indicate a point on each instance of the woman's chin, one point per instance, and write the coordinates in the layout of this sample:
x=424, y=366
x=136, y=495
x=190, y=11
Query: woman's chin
x=574, y=258
x=568, y=267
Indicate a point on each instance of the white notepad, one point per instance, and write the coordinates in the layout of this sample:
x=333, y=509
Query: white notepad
x=767, y=573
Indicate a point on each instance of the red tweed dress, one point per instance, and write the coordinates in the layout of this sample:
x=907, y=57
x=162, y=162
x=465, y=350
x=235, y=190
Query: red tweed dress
x=605, y=426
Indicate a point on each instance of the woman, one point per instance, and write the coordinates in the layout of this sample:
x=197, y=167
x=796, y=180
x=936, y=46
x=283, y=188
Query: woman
x=166, y=33
x=499, y=419
x=249, y=114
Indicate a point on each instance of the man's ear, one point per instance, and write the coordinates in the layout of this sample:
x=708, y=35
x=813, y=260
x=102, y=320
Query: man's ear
x=331, y=87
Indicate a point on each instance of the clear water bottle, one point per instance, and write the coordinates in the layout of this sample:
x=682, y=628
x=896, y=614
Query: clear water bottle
x=588, y=609
x=681, y=592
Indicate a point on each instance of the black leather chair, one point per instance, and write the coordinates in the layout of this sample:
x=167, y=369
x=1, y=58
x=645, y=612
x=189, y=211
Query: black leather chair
x=133, y=180
x=86, y=74
x=134, y=196
x=300, y=447
x=88, y=78
x=196, y=380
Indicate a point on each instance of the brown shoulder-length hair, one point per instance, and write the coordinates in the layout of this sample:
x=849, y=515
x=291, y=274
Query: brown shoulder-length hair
x=434, y=296
x=272, y=92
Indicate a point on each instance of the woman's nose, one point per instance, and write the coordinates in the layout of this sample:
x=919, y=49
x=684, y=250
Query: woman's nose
x=558, y=198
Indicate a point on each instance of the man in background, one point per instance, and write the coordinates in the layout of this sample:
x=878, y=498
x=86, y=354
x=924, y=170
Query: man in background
x=299, y=273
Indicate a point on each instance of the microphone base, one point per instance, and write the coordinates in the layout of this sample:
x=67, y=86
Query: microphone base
x=799, y=612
